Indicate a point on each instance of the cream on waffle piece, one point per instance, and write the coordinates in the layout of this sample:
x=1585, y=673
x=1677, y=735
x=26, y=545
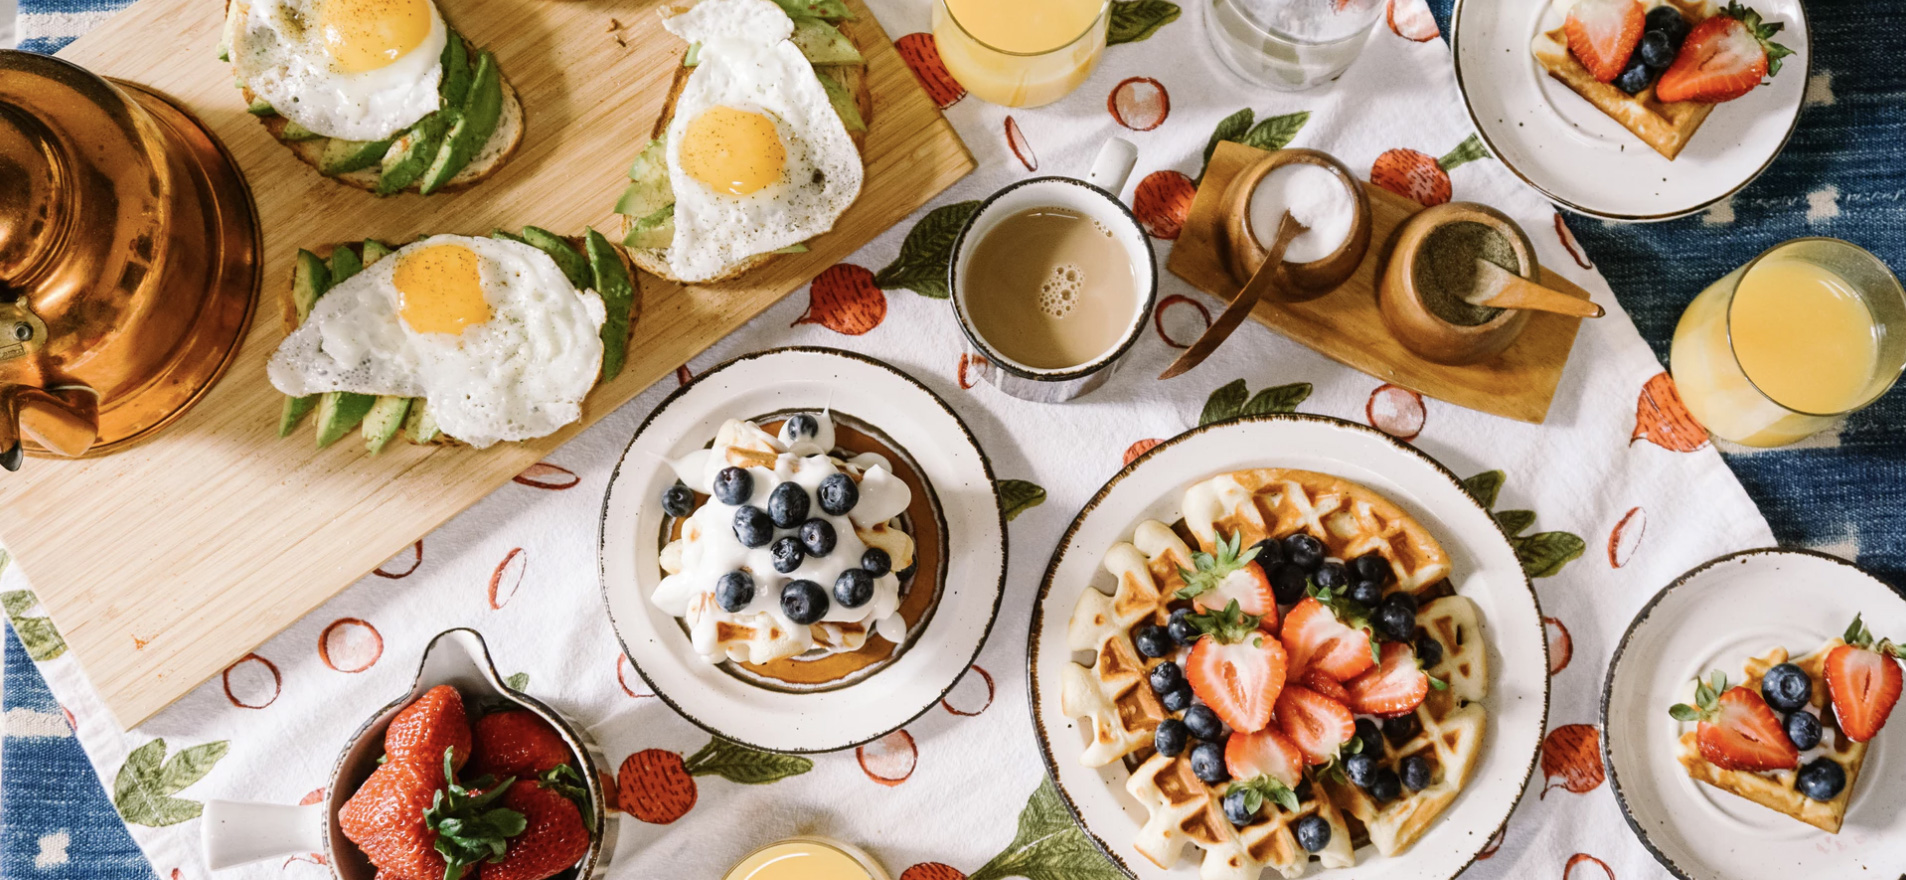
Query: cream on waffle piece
x=1449, y=732
x=1183, y=809
x=1112, y=695
x=1774, y=789
x=1665, y=126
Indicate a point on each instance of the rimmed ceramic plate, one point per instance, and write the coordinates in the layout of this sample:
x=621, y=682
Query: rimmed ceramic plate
x=919, y=425
x=1485, y=570
x=1583, y=160
x=1715, y=617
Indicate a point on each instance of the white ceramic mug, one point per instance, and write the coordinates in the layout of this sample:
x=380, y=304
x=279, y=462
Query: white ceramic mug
x=1097, y=197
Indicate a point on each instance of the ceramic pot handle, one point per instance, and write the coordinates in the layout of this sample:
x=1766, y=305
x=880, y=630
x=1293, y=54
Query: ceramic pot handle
x=236, y=832
x=1113, y=165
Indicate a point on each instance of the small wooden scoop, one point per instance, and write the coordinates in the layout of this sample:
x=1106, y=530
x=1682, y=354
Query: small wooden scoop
x=1500, y=288
x=1246, y=300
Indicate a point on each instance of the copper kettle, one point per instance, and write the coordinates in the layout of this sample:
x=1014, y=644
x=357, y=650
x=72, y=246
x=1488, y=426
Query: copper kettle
x=128, y=260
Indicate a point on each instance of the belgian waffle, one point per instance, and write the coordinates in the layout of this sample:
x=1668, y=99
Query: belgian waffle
x=1667, y=127
x=1184, y=809
x=1774, y=789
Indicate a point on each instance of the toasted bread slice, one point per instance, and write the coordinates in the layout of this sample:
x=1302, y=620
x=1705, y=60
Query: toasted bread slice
x=655, y=260
x=1667, y=127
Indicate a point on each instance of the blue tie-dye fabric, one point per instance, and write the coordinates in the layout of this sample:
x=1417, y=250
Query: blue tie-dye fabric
x=1843, y=175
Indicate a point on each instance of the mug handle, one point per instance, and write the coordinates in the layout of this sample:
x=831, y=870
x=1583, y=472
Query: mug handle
x=235, y=832
x=1113, y=165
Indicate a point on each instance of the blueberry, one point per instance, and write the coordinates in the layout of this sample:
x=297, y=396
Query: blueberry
x=1428, y=650
x=803, y=601
x=1820, y=779
x=1153, y=640
x=1786, y=687
x=1237, y=809
x=906, y=574
x=1270, y=551
x=1384, y=786
x=1304, y=551
x=787, y=505
x=752, y=526
x=1313, y=833
x=853, y=588
x=1166, y=677
x=1403, y=600
x=1656, y=50
x=1366, y=593
x=1415, y=771
x=1207, y=763
x=1177, y=699
x=1402, y=729
x=1181, y=629
x=1331, y=576
x=787, y=553
x=1204, y=723
x=1171, y=737
x=678, y=500
x=1803, y=730
x=1372, y=567
x=1394, y=622
x=1635, y=77
x=733, y=485
x=817, y=535
x=800, y=426
x=876, y=561
x=1668, y=20
x=1361, y=768
x=1372, y=741
x=734, y=590
x=1287, y=583
x=838, y=494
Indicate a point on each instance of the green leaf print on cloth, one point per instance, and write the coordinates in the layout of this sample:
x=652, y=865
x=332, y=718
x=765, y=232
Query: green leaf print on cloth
x=1134, y=20
x=1542, y=554
x=1018, y=496
x=738, y=763
x=928, y=248
x=37, y=634
x=1272, y=133
x=1235, y=399
x=143, y=791
x=1049, y=846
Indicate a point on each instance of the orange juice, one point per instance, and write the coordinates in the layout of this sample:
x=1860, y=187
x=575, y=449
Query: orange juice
x=806, y=858
x=1020, y=53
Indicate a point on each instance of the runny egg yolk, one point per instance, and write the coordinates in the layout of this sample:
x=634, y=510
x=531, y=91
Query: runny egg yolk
x=440, y=289
x=733, y=151
x=364, y=35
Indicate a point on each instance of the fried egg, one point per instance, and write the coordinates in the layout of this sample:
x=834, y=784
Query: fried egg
x=489, y=332
x=757, y=157
x=360, y=70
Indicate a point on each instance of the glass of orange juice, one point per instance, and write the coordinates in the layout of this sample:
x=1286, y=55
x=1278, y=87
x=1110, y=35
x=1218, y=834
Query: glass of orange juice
x=1020, y=53
x=1785, y=346
x=807, y=858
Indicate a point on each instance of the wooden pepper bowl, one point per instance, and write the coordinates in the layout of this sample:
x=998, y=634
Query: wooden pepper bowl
x=1297, y=282
x=1401, y=302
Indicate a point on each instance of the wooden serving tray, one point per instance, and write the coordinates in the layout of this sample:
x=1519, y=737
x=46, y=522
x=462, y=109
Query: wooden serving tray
x=1345, y=326
x=164, y=563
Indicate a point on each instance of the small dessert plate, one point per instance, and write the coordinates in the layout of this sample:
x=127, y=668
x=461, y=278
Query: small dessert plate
x=1587, y=162
x=1485, y=570
x=1715, y=617
x=925, y=437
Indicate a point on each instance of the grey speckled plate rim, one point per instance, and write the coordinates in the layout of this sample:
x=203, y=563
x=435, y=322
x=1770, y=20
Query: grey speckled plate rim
x=1065, y=541
x=986, y=464
x=1621, y=647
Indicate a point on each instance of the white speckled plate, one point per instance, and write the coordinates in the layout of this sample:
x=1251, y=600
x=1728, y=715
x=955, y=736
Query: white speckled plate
x=1583, y=160
x=1485, y=570
x=1715, y=617
x=957, y=475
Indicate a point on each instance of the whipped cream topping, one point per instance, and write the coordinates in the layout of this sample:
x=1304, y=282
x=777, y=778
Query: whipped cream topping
x=803, y=454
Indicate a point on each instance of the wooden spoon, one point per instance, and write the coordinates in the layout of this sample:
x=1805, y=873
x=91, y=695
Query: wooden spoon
x=1246, y=300
x=1500, y=288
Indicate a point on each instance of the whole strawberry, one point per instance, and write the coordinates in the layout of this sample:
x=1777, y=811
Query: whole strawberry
x=516, y=742
x=425, y=728
x=385, y=818
x=553, y=838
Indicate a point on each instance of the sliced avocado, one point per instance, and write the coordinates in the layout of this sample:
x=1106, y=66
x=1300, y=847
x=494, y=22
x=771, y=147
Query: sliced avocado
x=649, y=189
x=344, y=264
x=470, y=132
x=612, y=283
x=295, y=132
x=420, y=426
x=822, y=43
x=339, y=412
x=224, y=53
x=261, y=108
x=294, y=412
x=799, y=247
x=693, y=56
x=456, y=71
x=843, y=101
x=507, y=236
x=652, y=162
x=657, y=230
x=574, y=267
x=310, y=278
x=342, y=156
x=375, y=250
x=411, y=156
x=829, y=10
x=383, y=422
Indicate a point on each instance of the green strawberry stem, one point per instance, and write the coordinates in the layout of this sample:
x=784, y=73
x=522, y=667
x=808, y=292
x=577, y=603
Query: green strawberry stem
x=1259, y=789
x=468, y=829
x=1707, y=699
x=1762, y=31
x=1229, y=626
x=1213, y=569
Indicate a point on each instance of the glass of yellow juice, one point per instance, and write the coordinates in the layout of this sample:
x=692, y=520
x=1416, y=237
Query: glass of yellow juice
x=1020, y=53
x=1788, y=344
x=807, y=858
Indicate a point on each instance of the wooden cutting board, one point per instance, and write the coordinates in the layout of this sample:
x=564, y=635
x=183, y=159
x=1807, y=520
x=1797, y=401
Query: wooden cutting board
x=164, y=563
x=1345, y=325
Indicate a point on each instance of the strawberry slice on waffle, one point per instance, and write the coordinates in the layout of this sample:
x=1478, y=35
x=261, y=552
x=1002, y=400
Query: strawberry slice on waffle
x=1235, y=668
x=1863, y=682
x=1737, y=730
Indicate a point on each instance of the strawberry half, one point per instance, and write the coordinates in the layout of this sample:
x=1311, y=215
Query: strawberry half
x=1236, y=669
x=1319, y=639
x=1723, y=58
x=1397, y=684
x=1863, y=682
x=1265, y=752
x=1737, y=730
x=1317, y=681
x=1318, y=725
x=1603, y=34
x=1229, y=575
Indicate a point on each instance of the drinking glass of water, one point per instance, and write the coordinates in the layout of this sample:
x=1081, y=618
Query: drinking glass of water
x=1290, y=44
